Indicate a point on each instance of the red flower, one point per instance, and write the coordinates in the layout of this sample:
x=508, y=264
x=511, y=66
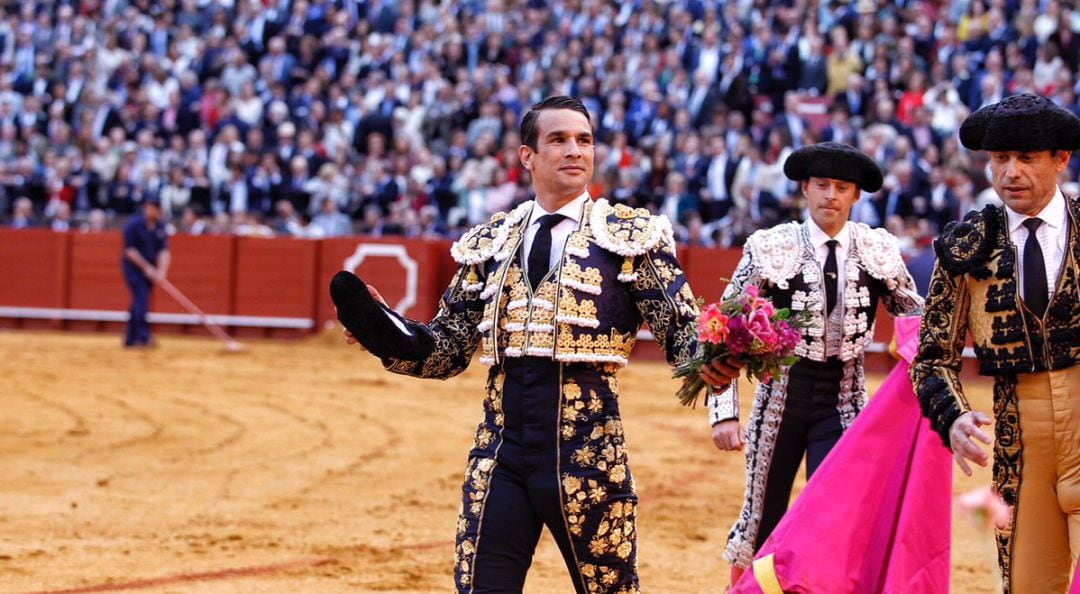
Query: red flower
x=713, y=325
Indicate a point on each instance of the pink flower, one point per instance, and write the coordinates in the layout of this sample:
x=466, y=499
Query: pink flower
x=761, y=304
x=747, y=328
x=739, y=336
x=713, y=325
x=760, y=326
x=789, y=336
x=983, y=505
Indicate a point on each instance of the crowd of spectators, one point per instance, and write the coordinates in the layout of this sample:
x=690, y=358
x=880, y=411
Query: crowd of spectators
x=318, y=118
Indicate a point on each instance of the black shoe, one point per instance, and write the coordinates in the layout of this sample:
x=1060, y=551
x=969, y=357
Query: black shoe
x=378, y=328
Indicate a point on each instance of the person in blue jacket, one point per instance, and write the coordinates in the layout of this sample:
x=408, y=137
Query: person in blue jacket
x=145, y=262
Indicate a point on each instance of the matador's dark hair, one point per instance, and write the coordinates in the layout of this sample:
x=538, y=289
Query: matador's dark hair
x=530, y=132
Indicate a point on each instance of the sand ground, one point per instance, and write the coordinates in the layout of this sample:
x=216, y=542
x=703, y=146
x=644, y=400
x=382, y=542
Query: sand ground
x=303, y=467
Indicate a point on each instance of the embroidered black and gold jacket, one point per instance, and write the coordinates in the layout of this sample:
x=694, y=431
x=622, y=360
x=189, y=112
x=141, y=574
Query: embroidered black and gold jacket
x=976, y=287
x=618, y=270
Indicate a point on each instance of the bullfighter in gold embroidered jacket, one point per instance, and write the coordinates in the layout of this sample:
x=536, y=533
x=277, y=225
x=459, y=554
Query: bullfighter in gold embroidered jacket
x=550, y=449
x=1010, y=275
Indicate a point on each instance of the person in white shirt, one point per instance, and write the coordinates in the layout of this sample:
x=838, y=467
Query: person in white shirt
x=834, y=272
x=552, y=294
x=1009, y=273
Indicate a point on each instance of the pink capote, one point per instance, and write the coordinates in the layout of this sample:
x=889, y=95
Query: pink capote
x=876, y=517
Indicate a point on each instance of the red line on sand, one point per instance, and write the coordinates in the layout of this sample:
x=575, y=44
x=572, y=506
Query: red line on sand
x=223, y=574
x=433, y=544
x=180, y=578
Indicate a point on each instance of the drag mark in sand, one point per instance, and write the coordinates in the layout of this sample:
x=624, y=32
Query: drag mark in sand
x=182, y=578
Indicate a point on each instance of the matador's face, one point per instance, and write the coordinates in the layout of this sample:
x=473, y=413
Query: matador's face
x=562, y=164
x=1027, y=181
x=830, y=201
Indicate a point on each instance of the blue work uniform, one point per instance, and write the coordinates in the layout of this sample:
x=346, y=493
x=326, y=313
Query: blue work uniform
x=149, y=242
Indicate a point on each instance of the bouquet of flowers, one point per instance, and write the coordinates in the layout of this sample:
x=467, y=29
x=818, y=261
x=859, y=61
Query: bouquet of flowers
x=747, y=329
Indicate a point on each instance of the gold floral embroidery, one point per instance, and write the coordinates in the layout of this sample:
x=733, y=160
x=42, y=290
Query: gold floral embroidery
x=454, y=330
x=477, y=481
x=484, y=438
x=589, y=276
x=615, y=344
x=583, y=312
x=667, y=270
x=614, y=536
x=515, y=281
x=598, y=516
x=585, y=456
x=578, y=245
x=571, y=484
x=571, y=398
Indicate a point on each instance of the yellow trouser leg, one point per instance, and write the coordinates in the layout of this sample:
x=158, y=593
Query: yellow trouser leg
x=1042, y=557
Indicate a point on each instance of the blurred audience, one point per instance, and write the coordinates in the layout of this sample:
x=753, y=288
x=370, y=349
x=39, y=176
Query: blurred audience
x=323, y=118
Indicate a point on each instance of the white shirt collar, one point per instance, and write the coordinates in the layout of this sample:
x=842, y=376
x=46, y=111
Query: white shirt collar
x=571, y=210
x=818, y=237
x=1052, y=215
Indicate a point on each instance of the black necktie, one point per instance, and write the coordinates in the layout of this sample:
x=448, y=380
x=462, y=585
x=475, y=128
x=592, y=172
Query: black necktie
x=830, y=276
x=1036, y=293
x=540, y=253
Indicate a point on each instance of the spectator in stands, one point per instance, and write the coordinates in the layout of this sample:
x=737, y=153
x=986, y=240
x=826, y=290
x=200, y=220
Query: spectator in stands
x=23, y=216
x=287, y=221
x=333, y=222
x=60, y=217
x=676, y=202
x=96, y=222
x=921, y=264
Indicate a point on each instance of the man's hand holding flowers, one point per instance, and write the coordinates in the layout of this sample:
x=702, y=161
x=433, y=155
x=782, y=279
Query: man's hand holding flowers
x=743, y=331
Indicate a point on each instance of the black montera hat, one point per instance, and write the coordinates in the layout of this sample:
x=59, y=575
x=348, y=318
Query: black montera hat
x=834, y=161
x=1021, y=123
x=378, y=328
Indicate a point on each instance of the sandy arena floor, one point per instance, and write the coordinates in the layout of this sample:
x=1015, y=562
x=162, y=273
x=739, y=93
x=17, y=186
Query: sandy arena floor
x=303, y=467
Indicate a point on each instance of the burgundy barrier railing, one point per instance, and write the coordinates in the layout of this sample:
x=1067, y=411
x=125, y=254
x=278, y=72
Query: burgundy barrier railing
x=256, y=286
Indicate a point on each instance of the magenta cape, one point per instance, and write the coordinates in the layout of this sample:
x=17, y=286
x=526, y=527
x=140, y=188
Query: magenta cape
x=876, y=516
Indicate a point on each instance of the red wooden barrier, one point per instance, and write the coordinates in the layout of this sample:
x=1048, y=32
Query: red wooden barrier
x=259, y=278
x=97, y=281
x=708, y=269
x=203, y=268
x=275, y=277
x=33, y=272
